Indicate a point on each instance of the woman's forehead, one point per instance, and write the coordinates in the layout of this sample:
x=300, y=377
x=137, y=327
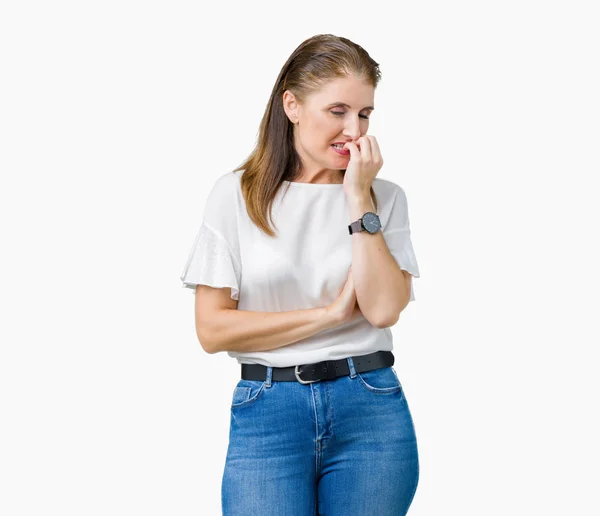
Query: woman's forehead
x=349, y=92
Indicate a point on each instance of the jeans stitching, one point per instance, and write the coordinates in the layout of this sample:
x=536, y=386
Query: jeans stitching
x=380, y=390
x=251, y=400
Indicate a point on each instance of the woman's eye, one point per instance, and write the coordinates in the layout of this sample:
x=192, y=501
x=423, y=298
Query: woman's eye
x=341, y=113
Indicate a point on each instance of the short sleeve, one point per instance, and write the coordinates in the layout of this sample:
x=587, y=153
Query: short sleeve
x=396, y=233
x=214, y=258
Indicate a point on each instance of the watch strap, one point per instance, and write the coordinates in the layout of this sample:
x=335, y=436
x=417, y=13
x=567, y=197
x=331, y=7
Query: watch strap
x=356, y=226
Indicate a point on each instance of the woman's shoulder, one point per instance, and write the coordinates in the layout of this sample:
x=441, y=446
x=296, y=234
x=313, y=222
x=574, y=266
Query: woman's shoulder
x=229, y=179
x=386, y=184
x=386, y=189
x=225, y=185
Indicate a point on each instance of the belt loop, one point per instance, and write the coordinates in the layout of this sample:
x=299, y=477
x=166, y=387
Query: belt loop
x=351, y=367
x=269, y=376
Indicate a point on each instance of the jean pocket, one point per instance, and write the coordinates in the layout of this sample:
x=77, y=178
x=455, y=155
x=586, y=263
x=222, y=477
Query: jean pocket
x=381, y=381
x=247, y=392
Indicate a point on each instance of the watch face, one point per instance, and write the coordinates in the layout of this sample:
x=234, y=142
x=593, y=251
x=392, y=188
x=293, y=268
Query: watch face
x=371, y=222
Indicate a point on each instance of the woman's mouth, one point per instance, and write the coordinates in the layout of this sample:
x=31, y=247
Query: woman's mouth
x=340, y=150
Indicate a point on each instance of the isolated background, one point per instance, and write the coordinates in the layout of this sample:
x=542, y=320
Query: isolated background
x=116, y=119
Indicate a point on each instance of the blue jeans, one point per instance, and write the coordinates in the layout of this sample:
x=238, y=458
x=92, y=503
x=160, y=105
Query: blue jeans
x=342, y=447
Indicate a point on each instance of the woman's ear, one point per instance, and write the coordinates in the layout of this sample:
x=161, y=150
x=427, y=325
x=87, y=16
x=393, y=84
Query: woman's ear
x=290, y=106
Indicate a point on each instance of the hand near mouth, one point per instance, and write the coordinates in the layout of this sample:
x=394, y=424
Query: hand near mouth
x=365, y=163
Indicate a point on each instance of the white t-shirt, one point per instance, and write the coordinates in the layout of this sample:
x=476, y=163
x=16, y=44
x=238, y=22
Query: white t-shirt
x=305, y=266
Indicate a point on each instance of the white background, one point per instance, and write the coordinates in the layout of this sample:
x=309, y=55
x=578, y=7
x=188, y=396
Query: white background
x=116, y=119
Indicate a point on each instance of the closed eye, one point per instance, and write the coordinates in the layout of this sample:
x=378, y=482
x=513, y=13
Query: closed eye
x=342, y=113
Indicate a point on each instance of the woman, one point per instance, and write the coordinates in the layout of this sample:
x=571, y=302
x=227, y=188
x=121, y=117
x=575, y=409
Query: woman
x=319, y=420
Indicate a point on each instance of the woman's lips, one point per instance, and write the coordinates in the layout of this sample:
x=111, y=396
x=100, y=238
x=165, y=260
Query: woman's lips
x=343, y=152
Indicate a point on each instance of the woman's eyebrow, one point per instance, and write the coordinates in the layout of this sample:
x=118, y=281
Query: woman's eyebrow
x=346, y=105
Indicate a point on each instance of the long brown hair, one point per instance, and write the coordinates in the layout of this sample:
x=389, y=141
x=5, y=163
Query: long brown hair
x=315, y=61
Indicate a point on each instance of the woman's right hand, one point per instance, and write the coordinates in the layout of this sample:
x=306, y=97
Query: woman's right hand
x=345, y=308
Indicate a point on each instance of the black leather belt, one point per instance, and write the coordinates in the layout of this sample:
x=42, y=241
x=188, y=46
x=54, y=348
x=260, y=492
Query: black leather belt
x=326, y=370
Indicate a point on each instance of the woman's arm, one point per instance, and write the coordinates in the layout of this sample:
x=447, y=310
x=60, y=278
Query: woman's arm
x=243, y=330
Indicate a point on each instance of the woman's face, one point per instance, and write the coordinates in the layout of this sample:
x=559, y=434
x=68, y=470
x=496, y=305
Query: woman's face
x=323, y=120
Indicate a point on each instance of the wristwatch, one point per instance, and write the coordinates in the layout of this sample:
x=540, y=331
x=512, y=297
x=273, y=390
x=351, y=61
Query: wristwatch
x=369, y=222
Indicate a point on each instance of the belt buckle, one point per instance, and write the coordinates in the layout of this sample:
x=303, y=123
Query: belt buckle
x=305, y=382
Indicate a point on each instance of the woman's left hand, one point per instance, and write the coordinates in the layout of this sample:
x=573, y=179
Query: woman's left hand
x=365, y=163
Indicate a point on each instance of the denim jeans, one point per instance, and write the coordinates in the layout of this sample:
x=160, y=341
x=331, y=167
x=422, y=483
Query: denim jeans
x=342, y=447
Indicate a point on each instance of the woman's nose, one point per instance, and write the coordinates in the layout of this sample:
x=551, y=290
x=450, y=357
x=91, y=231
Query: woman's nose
x=352, y=130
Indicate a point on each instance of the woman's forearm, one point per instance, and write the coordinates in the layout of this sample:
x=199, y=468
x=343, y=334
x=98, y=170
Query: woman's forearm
x=244, y=330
